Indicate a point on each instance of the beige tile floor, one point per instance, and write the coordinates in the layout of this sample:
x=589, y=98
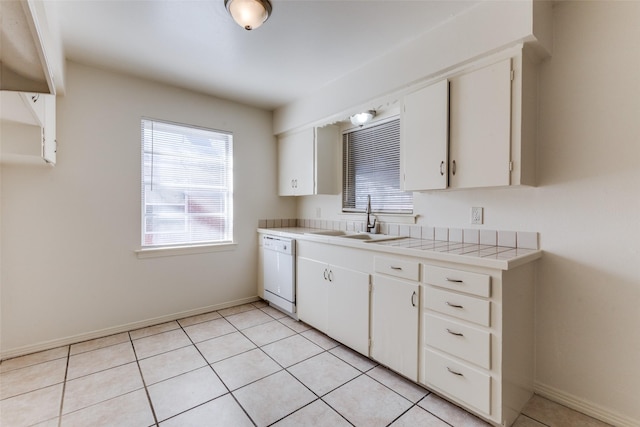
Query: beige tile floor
x=244, y=366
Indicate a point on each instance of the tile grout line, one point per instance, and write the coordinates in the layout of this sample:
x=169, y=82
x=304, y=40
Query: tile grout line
x=144, y=382
x=215, y=373
x=64, y=386
x=283, y=368
x=533, y=419
x=395, y=391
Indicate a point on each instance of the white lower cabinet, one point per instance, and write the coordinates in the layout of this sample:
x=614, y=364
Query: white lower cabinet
x=312, y=293
x=469, y=385
x=335, y=300
x=459, y=339
x=395, y=316
x=477, y=338
x=463, y=331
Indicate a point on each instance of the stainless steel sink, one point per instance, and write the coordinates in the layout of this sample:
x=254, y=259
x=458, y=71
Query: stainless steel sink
x=370, y=238
x=327, y=232
x=365, y=237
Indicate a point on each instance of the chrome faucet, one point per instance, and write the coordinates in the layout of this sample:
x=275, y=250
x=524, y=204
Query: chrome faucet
x=371, y=227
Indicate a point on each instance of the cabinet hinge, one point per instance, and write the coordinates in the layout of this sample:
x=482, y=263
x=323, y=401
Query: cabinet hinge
x=513, y=75
x=510, y=166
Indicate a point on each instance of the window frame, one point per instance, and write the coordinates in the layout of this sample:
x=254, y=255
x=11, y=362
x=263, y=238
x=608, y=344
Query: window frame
x=189, y=245
x=346, y=175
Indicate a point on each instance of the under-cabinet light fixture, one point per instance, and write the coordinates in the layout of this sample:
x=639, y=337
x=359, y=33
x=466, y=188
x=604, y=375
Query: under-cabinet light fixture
x=249, y=14
x=361, y=119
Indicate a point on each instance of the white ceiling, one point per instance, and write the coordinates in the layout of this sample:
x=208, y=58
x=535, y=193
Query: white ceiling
x=304, y=45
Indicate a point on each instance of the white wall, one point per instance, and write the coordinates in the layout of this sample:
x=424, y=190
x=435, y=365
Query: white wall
x=586, y=207
x=489, y=26
x=69, y=232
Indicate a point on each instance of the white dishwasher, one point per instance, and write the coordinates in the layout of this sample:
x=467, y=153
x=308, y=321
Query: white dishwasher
x=279, y=272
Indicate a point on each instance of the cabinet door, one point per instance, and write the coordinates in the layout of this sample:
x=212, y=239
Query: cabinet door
x=296, y=164
x=394, y=324
x=348, y=308
x=424, y=138
x=312, y=292
x=327, y=155
x=49, y=144
x=480, y=135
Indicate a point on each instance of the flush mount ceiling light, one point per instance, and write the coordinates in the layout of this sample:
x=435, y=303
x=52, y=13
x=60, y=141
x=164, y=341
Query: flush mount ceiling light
x=249, y=14
x=361, y=119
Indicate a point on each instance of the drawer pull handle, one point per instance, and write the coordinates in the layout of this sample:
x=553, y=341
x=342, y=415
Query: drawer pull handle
x=458, y=334
x=454, y=372
x=413, y=296
x=395, y=268
x=454, y=305
x=454, y=280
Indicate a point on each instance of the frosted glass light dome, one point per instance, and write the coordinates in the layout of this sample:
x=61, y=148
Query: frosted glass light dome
x=249, y=14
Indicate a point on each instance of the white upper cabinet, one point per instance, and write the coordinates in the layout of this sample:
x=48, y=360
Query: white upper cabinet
x=307, y=162
x=295, y=164
x=424, y=135
x=480, y=134
x=475, y=128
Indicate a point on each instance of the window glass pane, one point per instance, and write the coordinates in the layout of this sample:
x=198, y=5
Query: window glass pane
x=187, y=191
x=371, y=166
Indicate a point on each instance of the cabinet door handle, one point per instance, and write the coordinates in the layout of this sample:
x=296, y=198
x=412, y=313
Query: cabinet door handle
x=442, y=167
x=413, y=296
x=395, y=268
x=458, y=334
x=454, y=372
x=454, y=305
x=296, y=183
x=330, y=276
x=453, y=168
x=325, y=274
x=454, y=280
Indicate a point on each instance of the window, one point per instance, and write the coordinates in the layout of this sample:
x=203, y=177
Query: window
x=371, y=166
x=187, y=185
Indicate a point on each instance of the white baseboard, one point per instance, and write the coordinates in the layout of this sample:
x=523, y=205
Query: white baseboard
x=589, y=408
x=47, y=345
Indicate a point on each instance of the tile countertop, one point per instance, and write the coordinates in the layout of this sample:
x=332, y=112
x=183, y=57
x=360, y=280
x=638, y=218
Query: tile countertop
x=498, y=257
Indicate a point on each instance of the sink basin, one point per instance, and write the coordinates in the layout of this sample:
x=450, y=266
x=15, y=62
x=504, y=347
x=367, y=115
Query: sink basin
x=359, y=236
x=366, y=237
x=328, y=233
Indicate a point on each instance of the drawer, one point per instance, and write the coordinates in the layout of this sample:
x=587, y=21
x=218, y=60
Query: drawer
x=465, y=342
x=463, y=307
x=397, y=267
x=458, y=280
x=469, y=385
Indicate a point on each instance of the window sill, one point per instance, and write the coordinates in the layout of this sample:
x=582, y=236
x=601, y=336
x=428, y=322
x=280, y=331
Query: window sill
x=184, y=250
x=385, y=217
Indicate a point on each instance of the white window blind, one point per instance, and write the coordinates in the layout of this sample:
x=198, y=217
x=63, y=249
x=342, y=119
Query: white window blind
x=371, y=166
x=187, y=185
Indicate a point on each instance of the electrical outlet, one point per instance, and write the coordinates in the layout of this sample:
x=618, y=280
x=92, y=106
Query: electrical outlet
x=477, y=215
